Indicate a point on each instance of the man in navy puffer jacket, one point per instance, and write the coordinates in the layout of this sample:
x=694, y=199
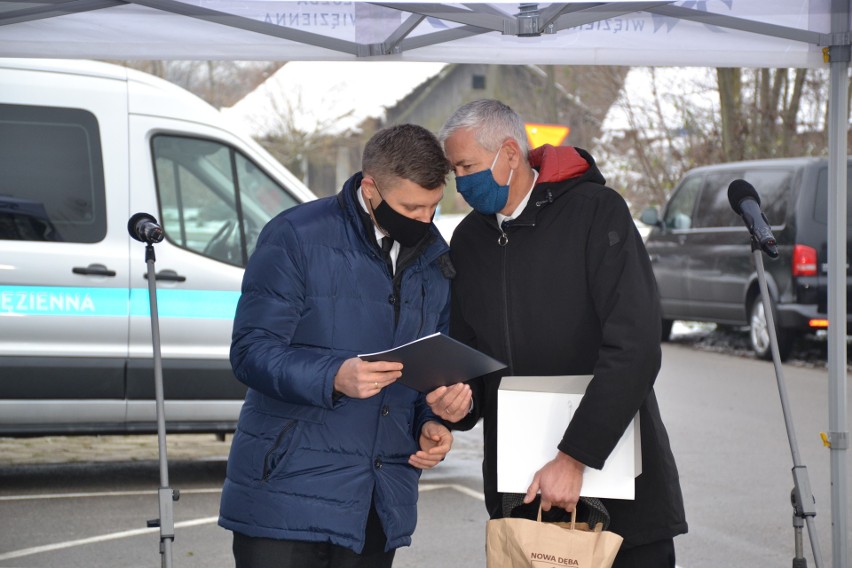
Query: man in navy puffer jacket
x=326, y=459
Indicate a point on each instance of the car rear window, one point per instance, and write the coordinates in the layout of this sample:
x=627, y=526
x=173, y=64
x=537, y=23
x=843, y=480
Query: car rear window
x=51, y=175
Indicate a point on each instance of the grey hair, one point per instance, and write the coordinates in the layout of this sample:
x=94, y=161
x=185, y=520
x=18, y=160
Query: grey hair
x=491, y=121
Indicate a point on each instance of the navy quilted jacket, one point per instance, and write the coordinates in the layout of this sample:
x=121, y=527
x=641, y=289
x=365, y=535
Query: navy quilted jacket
x=304, y=464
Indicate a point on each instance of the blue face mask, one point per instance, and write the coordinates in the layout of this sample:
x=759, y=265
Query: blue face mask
x=482, y=192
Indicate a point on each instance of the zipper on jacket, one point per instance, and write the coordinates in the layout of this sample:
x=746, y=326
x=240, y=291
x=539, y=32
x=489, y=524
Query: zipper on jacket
x=503, y=239
x=267, y=470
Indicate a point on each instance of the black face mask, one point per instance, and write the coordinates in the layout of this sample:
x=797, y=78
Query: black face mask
x=397, y=226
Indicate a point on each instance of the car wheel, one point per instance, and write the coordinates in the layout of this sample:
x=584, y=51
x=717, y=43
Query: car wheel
x=759, y=334
x=667, y=329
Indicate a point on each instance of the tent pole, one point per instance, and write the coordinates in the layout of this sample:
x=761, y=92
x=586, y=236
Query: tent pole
x=838, y=120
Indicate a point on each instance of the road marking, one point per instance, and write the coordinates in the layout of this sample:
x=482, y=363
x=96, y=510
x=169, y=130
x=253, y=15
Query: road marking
x=148, y=492
x=184, y=524
x=101, y=538
x=460, y=488
x=102, y=494
x=137, y=532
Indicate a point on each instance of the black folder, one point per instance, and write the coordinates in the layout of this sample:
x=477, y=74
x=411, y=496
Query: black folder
x=437, y=360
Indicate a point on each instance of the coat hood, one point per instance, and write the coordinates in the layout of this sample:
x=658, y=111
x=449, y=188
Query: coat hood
x=560, y=163
x=559, y=170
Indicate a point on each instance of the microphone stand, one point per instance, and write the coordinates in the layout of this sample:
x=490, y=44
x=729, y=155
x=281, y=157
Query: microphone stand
x=802, y=499
x=166, y=495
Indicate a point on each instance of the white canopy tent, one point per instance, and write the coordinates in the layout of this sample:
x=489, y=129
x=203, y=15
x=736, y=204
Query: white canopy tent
x=693, y=33
x=714, y=33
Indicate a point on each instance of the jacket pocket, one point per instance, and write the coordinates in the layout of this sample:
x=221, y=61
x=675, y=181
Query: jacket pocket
x=278, y=452
x=424, y=315
x=288, y=410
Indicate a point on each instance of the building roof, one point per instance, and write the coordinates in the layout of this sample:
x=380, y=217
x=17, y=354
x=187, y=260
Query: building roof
x=331, y=97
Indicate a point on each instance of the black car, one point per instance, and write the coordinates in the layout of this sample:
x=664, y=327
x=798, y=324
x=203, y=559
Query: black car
x=701, y=250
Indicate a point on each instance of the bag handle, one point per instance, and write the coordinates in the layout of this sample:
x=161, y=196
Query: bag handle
x=573, y=516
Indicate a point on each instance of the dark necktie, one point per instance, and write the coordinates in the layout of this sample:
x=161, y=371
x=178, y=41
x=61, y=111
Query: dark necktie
x=387, y=244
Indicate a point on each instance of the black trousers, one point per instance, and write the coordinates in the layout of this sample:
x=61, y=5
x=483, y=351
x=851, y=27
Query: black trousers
x=660, y=554
x=250, y=552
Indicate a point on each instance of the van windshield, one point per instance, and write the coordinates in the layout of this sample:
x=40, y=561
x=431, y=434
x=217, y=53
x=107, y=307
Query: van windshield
x=213, y=199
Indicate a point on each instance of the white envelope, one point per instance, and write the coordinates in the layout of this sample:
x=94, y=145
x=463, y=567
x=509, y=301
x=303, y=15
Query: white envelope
x=533, y=413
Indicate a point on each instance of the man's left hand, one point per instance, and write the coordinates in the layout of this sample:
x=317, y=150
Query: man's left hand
x=435, y=442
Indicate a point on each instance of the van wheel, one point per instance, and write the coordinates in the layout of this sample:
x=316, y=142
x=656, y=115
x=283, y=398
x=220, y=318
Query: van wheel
x=759, y=334
x=667, y=329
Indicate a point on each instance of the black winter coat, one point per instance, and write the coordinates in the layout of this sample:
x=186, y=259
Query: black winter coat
x=567, y=289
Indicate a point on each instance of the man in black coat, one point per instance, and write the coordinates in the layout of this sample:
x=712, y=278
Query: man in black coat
x=553, y=279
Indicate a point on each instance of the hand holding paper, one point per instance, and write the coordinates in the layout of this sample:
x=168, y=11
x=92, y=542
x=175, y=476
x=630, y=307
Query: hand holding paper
x=545, y=405
x=451, y=403
x=437, y=360
x=357, y=378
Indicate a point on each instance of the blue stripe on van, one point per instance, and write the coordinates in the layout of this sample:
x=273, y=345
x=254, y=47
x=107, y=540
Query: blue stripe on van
x=207, y=304
x=115, y=302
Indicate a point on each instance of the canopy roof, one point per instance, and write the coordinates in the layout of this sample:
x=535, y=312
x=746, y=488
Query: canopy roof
x=716, y=33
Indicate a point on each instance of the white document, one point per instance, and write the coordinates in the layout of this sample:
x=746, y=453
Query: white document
x=533, y=413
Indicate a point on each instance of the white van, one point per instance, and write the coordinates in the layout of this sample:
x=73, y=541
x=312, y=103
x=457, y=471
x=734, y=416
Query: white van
x=83, y=147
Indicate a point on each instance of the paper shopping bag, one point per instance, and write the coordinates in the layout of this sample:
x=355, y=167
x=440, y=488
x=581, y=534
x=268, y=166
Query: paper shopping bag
x=524, y=543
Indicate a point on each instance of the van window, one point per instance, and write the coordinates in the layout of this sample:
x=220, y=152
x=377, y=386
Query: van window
x=51, y=175
x=821, y=200
x=682, y=204
x=213, y=199
x=714, y=209
x=774, y=187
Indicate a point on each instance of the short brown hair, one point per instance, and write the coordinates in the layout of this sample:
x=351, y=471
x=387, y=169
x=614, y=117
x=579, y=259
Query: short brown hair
x=406, y=151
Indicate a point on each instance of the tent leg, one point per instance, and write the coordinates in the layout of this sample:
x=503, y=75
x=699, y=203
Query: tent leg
x=838, y=117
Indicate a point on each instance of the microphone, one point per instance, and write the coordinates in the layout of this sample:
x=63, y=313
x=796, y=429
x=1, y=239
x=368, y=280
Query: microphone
x=746, y=203
x=144, y=228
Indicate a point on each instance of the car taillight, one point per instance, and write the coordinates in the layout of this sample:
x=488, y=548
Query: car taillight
x=804, y=261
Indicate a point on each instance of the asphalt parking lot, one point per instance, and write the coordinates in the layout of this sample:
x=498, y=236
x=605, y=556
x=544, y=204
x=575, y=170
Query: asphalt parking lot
x=83, y=501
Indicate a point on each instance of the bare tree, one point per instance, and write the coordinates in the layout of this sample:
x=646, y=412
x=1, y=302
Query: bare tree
x=308, y=138
x=762, y=112
x=756, y=113
x=731, y=112
x=655, y=132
